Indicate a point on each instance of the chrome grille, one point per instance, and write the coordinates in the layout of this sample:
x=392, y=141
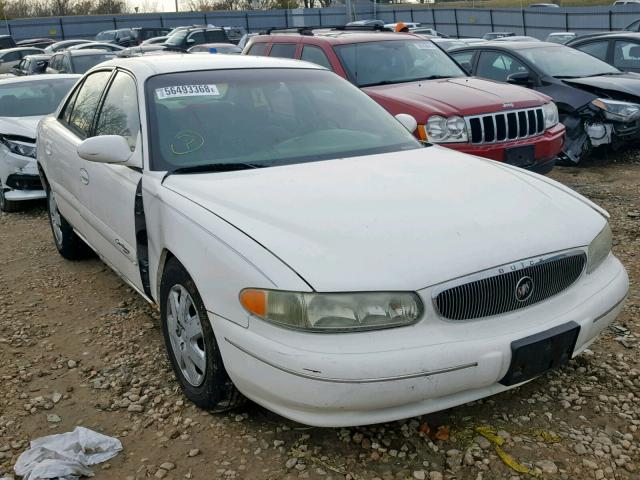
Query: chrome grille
x=496, y=294
x=505, y=126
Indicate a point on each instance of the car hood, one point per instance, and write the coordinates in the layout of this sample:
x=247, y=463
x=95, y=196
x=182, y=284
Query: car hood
x=627, y=83
x=459, y=96
x=398, y=221
x=21, y=126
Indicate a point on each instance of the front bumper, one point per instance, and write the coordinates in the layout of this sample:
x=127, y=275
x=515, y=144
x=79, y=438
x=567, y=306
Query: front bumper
x=22, y=181
x=547, y=147
x=373, y=377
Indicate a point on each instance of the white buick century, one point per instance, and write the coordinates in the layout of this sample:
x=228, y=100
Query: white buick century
x=306, y=251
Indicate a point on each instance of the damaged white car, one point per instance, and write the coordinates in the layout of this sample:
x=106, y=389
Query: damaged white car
x=23, y=102
x=307, y=251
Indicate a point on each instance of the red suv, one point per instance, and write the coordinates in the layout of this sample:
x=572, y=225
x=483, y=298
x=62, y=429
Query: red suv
x=408, y=74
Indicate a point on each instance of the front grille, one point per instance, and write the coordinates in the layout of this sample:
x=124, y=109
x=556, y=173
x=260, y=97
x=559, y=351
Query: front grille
x=505, y=126
x=496, y=294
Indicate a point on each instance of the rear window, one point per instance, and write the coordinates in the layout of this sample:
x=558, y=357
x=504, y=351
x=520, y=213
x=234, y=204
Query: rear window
x=84, y=62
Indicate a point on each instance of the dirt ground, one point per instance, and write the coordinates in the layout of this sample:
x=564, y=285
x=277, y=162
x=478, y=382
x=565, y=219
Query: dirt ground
x=78, y=347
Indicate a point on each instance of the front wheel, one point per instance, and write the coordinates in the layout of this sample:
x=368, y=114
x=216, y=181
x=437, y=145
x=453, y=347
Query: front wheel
x=191, y=344
x=68, y=243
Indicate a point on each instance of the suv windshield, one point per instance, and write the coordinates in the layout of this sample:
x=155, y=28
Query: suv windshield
x=395, y=61
x=264, y=117
x=565, y=62
x=177, y=38
x=33, y=98
x=82, y=63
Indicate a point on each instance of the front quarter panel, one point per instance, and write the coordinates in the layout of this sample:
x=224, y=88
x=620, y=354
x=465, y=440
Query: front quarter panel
x=221, y=259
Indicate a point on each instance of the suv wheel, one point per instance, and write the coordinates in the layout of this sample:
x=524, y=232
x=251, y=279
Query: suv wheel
x=191, y=344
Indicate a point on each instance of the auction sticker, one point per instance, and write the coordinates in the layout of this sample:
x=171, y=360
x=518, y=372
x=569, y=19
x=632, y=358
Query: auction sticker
x=187, y=91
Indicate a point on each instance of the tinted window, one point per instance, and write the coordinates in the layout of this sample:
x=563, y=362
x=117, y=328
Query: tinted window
x=315, y=55
x=119, y=112
x=283, y=50
x=33, y=98
x=562, y=62
x=196, y=38
x=216, y=36
x=464, y=59
x=498, y=66
x=84, y=109
x=6, y=43
x=295, y=115
x=11, y=56
x=106, y=36
x=257, y=49
x=82, y=63
x=595, y=49
x=626, y=55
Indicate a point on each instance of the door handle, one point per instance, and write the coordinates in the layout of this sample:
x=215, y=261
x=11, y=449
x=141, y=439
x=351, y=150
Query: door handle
x=84, y=176
x=121, y=246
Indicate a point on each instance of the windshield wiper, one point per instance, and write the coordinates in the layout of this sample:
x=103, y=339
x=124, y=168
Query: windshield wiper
x=391, y=82
x=564, y=77
x=212, y=167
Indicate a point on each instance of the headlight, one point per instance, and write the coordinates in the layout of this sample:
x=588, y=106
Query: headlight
x=19, y=148
x=550, y=111
x=333, y=312
x=599, y=248
x=444, y=130
x=616, y=110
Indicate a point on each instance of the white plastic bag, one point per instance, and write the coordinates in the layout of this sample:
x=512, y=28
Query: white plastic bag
x=66, y=456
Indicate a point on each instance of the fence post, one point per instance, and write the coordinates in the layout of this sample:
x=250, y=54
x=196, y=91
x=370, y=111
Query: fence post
x=204, y=14
x=9, y=29
x=524, y=23
x=115, y=23
x=286, y=18
x=566, y=21
x=433, y=17
x=610, y=15
x=412, y=15
x=61, y=28
x=161, y=21
x=491, y=18
x=320, y=17
x=455, y=16
x=395, y=20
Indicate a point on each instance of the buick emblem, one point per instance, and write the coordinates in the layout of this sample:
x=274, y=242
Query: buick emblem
x=524, y=289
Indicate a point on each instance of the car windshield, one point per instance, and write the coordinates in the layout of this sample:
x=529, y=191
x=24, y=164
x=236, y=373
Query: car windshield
x=177, y=38
x=565, y=62
x=395, y=61
x=106, y=36
x=264, y=117
x=82, y=63
x=33, y=98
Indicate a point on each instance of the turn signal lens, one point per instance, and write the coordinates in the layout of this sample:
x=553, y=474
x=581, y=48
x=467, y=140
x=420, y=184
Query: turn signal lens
x=333, y=312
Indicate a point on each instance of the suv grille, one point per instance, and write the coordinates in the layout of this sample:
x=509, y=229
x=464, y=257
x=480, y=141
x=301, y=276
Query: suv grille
x=504, y=126
x=497, y=294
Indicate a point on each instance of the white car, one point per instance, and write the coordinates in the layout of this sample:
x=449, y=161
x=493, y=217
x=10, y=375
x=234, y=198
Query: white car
x=23, y=102
x=306, y=251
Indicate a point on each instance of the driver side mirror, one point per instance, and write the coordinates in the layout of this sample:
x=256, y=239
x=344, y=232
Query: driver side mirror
x=520, y=78
x=407, y=121
x=105, y=149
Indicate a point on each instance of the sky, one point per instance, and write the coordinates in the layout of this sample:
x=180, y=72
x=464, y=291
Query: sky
x=157, y=5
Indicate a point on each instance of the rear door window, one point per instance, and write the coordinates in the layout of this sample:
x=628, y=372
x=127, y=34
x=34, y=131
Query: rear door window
x=283, y=50
x=258, y=49
x=196, y=38
x=86, y=102
x=315, y=55
x=595, y=49
x=626, y=55
x=464, y=59
x=11, y=57
x=215, y=36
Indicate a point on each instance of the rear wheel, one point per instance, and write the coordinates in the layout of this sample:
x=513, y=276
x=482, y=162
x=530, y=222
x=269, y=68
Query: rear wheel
x=68, y=243
x=8, y=205
x=191, y=343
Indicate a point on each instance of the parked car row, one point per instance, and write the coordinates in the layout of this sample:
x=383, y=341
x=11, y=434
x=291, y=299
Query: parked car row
x=337, y=265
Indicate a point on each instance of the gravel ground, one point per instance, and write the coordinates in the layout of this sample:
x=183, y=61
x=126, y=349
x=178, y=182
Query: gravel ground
x=78, y=347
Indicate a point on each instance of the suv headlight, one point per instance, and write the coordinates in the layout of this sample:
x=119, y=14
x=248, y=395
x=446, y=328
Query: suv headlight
x=616, y=110
x=446, y=130
x=333, y=312
x=19, y=148
x=599, y=248
x=550, y=111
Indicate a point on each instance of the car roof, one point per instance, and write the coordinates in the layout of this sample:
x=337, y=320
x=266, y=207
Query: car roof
x=624, y=33
x=39, y=56
x=218, y=44
x=344, y=36
x=44, y=76
x=515, y=45
x=18, y=49
x=183, y=62
x=87, y=51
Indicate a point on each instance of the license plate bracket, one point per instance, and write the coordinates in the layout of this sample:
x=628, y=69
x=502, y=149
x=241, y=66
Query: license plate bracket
x=523, y=156
x=531, y=356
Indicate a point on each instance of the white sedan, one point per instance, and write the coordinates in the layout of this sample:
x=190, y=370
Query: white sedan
x=23, y=102
x=308, y=252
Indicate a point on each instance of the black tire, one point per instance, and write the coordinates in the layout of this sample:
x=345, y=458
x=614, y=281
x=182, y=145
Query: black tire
x=217, y=392
x=68, y=243
x=8, y=206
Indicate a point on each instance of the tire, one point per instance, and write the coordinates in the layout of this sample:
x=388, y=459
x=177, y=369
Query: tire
x=68, y=243
x=8, y=206
x=191, y=344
